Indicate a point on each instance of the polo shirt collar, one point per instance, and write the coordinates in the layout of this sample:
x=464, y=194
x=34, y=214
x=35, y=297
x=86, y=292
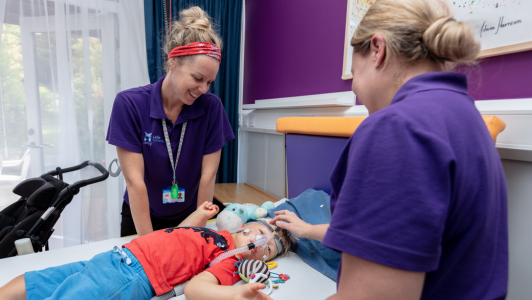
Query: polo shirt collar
x=432, y=81
x=187, y=113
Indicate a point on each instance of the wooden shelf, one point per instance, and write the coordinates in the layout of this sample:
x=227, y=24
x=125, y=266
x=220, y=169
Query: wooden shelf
x=241, y=193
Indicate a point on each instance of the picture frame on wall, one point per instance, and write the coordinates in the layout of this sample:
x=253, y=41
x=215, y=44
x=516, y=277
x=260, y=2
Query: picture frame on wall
x=356, y=9
x=502, y=27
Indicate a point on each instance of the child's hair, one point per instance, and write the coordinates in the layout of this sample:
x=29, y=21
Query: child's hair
x=286, y=237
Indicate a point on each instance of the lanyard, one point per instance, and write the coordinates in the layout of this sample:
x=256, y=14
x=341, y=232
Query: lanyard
x=169, y=147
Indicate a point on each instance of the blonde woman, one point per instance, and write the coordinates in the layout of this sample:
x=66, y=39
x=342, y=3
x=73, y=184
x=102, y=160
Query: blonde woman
x=169, y=135
x=419, y=196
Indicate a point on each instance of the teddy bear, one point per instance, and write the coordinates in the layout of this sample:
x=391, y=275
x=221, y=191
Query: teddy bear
x=235, y=215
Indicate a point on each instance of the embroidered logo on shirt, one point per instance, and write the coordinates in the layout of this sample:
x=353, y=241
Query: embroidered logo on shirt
x=149, y=138
x=209, y=235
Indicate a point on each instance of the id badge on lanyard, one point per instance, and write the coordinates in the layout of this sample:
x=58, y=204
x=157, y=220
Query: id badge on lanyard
x=173, y=194
x=169, y=197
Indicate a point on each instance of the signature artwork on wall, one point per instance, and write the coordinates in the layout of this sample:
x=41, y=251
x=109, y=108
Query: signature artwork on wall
x=502, y=26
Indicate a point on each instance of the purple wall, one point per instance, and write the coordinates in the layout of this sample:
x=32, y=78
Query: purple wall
x=294, y=48
x=501, y=77
x=310, y=160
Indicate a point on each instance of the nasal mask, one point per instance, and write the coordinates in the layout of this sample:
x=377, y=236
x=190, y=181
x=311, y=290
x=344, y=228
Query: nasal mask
x=261, y=240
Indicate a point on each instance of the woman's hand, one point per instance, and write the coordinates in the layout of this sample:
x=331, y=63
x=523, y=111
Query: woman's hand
x=292, y=223
x=251, y=291
x=298, y=227
x=207, y=210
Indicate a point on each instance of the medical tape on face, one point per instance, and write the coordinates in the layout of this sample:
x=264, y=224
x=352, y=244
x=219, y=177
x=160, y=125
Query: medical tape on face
x=265, y=224
x=279, y=244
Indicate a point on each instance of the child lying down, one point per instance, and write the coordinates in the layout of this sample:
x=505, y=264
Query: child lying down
x=152, y=264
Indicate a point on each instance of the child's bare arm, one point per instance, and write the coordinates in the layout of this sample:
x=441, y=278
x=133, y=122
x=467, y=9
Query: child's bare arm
x=205, y=286
x=200, y=216
x=14, y=290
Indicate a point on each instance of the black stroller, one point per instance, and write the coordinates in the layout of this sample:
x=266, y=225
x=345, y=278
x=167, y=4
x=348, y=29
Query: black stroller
x=42, y=199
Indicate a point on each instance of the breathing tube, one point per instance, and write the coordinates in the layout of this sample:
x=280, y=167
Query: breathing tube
x=260, y=241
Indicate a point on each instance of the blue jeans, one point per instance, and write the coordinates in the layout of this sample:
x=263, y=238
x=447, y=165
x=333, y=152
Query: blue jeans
x=109, y=275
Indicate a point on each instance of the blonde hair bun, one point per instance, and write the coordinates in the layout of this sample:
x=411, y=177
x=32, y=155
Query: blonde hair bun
x=417, y=30
x=451, y=40
x=194, y=18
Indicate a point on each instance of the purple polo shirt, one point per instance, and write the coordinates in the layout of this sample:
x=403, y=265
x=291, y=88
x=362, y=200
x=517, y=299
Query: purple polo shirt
x=136, y=126
x=420, y=187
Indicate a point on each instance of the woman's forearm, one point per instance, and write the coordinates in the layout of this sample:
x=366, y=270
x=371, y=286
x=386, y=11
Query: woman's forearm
x=317, y=232
x=140, y=207
x=206, y=188
x=206, y=192
x=133, y=168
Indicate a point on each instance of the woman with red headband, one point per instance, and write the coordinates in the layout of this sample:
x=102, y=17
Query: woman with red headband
x=169, y=135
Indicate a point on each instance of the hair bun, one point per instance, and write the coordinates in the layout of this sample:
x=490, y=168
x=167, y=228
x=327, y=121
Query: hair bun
x=194, y=18
x=451, y=40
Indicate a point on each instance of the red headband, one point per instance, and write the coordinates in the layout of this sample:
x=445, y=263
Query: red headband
x=209, y=49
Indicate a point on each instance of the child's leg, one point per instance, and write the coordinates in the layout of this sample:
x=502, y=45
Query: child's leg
x=14, y=290
x=107, y=276
x=42, y=284
x=39, y=284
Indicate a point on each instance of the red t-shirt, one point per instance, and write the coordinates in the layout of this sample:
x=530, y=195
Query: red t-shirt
x=174, y=255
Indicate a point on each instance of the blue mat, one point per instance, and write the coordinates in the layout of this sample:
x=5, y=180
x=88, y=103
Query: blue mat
x=314, y=208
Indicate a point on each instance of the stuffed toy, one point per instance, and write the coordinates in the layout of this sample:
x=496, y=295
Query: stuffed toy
x=252, y=271
x=235, y=215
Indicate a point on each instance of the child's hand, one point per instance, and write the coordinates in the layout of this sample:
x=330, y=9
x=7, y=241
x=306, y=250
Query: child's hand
x=207, y=210
x=251, y=291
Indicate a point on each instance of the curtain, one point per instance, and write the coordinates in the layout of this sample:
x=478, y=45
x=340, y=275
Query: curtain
x=227, y=15
x=62, y=62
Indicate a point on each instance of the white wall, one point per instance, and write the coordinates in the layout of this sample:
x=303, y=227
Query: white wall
x=519, y=182
x=261, y=161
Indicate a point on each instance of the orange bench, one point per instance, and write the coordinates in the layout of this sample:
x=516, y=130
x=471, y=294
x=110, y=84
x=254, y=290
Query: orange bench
x=345, y=126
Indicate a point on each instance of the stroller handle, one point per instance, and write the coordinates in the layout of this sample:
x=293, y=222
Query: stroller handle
x=72, y=190
x=82, y=183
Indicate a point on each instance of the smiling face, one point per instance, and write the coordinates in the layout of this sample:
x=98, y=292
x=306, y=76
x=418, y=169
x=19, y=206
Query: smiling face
x=192, y=77
x=242, y=239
